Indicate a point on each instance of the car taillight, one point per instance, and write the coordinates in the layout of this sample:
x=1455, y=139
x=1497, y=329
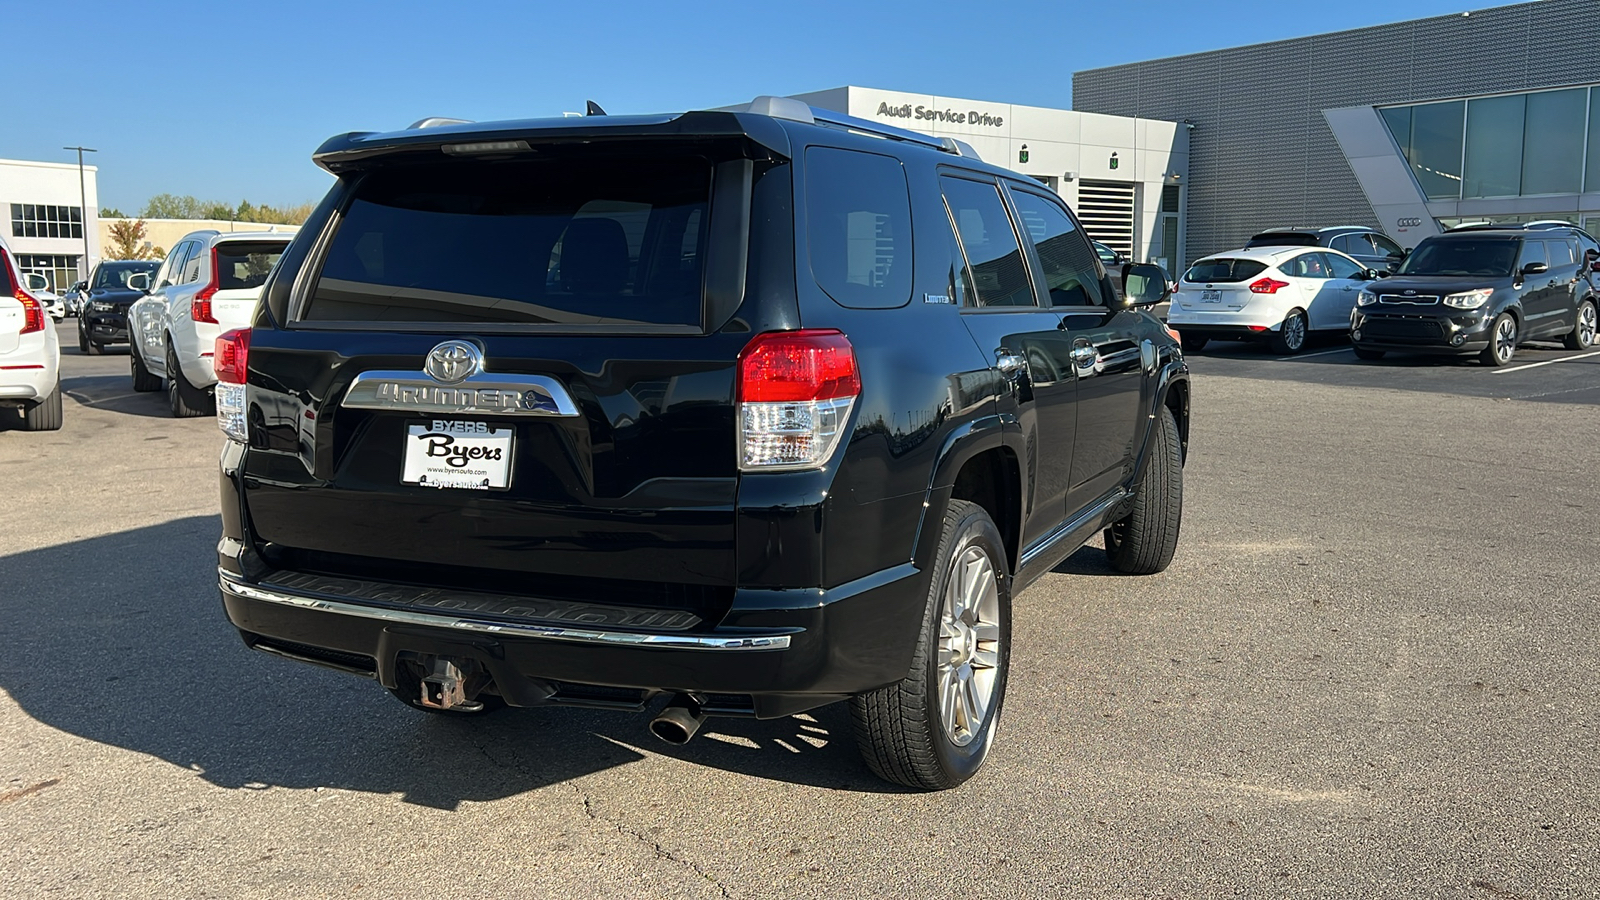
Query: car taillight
x=1267, y=286
x=32, y=311
x=230, y=358
x=795, y=393
x=200, y=306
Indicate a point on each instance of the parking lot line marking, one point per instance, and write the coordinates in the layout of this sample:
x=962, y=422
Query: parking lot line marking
x=1548, y=362
x=1310, y=355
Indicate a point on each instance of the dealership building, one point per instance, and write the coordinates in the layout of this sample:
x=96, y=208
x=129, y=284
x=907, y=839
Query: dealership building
x=1486, y=115
x=1124, y=176
x=45, y=218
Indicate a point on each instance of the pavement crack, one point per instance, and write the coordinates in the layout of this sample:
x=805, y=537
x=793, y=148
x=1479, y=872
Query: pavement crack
x=660, y=851
x=30, y=790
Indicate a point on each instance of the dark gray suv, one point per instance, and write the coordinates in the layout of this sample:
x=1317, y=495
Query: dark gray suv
x=1369, y=247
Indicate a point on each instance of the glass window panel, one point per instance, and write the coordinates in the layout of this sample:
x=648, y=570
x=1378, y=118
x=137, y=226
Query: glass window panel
x=1591, y=179
x=1342, y=267
x=1436, y=148
x=1552, y=143
x=1070, y=275
x=1398, y=118
x=999, y=272
x=1494, y=146
x=1533, y=252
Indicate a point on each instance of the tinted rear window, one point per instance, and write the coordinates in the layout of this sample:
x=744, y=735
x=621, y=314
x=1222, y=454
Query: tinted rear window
x=1283, y=239
x=1224, y=269
x=245, y=265
x=858, y=227
x=561, y=240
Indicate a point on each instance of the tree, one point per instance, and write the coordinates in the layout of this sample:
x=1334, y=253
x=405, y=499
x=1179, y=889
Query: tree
x=170, y=206
x=111, y=212
x=127, y=241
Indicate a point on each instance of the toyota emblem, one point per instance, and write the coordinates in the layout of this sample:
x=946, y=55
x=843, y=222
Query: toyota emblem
x=453, y=362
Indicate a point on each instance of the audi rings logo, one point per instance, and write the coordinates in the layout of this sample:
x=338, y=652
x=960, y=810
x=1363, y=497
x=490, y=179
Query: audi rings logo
x=1407, y=223
x=453, y=362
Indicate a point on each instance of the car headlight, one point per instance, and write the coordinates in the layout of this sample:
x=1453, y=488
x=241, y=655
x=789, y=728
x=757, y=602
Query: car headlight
x=102, y=306
x=1469, y=299
x=1366, y=298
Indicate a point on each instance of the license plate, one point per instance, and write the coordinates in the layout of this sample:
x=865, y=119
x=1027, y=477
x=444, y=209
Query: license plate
x=456, y=453
x=1210, y=296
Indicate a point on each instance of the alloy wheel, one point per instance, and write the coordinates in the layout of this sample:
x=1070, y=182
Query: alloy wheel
x=1587, y=325
x=968, y=664
x=1505, y=339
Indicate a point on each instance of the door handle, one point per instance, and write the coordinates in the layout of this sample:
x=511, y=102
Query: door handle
x=1009, y=364
x=1083, y=353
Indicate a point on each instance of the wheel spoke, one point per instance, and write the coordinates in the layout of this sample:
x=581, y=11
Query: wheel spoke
x=987, y=631
x=972, y=704
x=985, y=659
x=950, y=703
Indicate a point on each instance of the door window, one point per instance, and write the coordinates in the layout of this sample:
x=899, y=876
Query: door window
x=1532, y=252
x=173, y=269
x=1306, y=265
x=1070, y=275
x=1342, y=267
x=1349, y=243
x=190, y=273
x=1385, y=246
x=999, y=274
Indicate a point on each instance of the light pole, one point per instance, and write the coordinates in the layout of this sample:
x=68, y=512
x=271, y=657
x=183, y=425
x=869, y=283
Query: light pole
x=83, y=209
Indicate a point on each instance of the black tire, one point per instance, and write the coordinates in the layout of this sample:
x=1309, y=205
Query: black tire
x=1584, y=328
x=1364, y=353
x=1194, y=343
x=92, y=348
x=900, y=728
x=184, y=399
x=1502, y=348
x=144, y=381
x=46, y=414
x=1290, y=338
x=83, y=338
x=1143, y=541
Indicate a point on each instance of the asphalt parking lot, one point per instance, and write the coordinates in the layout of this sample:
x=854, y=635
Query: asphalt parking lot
x=1372, y=671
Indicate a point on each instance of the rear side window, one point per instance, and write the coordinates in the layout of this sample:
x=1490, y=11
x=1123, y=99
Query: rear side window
x=245, y=265
x=1224, y=269
x=999, y=274
x=1282, y=239
x=555, y=240
x=1561, y=253
x=858, y=227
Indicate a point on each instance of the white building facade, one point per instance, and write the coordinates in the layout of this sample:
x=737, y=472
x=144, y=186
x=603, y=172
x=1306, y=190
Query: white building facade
x=1126, y=178
x=45, y=219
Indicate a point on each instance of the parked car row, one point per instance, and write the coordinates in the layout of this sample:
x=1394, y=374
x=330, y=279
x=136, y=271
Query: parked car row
x=1480, y=289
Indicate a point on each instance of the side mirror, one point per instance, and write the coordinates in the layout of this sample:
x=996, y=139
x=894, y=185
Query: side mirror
x=1370, y=274
x=139, y=281
x=1591, y=255
x=1594, y=266
x=33, y=281
x=1535, y=268
x=1144, y=284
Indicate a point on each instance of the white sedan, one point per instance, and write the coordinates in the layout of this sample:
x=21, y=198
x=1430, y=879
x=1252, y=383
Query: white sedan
x=30, y=352
x=1276, y=294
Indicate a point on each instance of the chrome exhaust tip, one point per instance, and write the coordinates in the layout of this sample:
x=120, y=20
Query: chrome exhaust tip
x=678, y=723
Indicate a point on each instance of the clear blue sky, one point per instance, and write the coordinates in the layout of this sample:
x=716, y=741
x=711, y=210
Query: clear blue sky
x=226, y=100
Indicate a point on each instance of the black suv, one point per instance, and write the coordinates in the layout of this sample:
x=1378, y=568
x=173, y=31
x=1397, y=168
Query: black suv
x=103, y=317
x=1366, y=245
x=1484, y=291
x=757, y=409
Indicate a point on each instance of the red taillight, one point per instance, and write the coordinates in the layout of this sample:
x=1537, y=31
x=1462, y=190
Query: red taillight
x=787, y=366
x=1267, y=286
x=32, y=311
x=231, y=356
x=200, y=307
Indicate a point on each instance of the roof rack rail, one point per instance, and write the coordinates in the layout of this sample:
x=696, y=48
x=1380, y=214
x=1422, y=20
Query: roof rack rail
x=947, y=144
x=435, y=122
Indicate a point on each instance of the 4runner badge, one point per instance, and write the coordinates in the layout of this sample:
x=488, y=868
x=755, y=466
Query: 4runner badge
x=453, y=362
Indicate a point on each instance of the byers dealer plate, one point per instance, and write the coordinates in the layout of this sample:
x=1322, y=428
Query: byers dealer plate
x=451, y=453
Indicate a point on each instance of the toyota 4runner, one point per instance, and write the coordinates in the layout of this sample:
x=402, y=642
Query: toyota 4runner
x=752, y=410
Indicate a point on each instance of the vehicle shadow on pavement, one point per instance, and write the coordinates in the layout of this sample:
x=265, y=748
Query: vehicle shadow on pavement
x=1090, y=559
x=122, y=640
x=114, y=393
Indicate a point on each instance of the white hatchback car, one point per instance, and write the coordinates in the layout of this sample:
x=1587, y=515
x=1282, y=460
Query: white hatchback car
x=209, y=284
x=30, y=352
x=1276, y=294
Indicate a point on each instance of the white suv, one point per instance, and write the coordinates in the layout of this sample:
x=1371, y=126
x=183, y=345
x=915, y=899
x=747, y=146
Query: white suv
x=209, y=284
x=30, y=352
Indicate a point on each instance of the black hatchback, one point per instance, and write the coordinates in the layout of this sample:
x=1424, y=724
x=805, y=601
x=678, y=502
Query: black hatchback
x=1484, y=292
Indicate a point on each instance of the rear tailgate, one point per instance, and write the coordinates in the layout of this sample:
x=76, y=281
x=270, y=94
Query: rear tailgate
x=572, y=293
x=1220, y=283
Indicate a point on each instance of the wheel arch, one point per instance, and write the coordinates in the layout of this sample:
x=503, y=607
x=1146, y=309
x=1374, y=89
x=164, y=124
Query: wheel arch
x=980, y=462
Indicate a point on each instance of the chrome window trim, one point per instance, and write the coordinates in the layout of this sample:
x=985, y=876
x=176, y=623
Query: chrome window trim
x=228, y=584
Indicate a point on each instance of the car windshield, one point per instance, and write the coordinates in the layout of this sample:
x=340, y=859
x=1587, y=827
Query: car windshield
x=1480, y=257
x=1224, y=269
x=115, y=277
